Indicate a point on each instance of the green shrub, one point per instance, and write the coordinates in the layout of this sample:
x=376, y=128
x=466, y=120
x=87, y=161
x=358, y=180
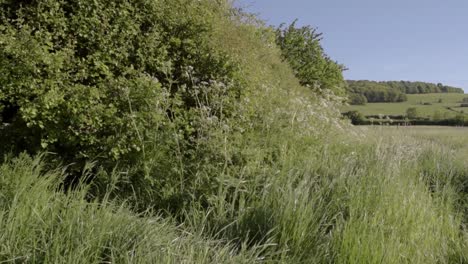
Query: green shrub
x=356, y=117
x=412, y=113
x=97, y=80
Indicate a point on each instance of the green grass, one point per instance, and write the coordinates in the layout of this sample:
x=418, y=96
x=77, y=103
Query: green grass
x=39, y=223
x=376, y=195
x=454, y=138
x=416, y=100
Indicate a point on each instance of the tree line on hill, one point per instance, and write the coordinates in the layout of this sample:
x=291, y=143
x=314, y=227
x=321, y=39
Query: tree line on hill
x=364, y=91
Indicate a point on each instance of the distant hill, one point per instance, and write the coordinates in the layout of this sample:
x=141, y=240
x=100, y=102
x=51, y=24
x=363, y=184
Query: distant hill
x=363, y=91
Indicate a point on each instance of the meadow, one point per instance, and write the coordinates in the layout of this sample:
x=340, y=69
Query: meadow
x=427, y=105
x=374, y=195
x=454, y=138
x=189, y=132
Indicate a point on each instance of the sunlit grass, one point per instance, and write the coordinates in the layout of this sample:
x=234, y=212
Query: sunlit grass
x=389, y=196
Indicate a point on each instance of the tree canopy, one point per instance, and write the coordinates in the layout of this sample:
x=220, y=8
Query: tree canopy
x=373, y=92
x=301, y=48
x=392, y=91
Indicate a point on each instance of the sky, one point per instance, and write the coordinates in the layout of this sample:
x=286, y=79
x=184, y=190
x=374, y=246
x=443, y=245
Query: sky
x=414, y=40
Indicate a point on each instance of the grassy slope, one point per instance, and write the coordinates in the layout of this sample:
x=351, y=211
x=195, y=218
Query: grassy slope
x=414, y=100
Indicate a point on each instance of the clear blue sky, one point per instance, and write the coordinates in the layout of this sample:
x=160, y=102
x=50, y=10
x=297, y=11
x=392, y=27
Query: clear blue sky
x=419, y=40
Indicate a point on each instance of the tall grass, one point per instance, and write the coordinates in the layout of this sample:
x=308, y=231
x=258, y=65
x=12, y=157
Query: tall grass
x=382, y=200
x=39, y=223
x=348, y=201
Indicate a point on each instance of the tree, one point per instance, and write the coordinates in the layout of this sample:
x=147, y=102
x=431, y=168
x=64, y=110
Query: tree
x=412, y=113
x=301, y=48
x=375, y=91
x=356, y=117
x=402, y=98
x=357, y=99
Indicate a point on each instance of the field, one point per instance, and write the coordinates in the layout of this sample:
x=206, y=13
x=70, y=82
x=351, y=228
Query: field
x=185, y=132
x=436, y=104
x=376, y=195
x=454, y=138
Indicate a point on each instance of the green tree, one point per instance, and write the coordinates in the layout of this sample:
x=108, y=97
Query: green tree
x=412, y=113
x=301, y=48
x=356, y=117
x=357, y=99
x=375, y=91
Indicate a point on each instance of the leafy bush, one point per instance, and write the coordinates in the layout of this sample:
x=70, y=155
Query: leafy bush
x=98, y=80
x=412, y=113
x=170, y=93
x=356, y=117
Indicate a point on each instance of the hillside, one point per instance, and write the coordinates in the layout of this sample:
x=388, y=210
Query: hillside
x=363, y=91
x=188, y=131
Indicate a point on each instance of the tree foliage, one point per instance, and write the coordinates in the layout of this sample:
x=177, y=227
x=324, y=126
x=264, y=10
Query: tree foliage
x=373, y=92
x=357, y=99
x=422, y=87
x=412, y=113
x=171, y=93
x=301, y=48
x=356, y=117
x=392, y=91
x=97, y=79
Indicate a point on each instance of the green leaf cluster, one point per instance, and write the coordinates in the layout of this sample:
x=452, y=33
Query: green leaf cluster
x=361, y=92
x=97, y=79
x=301, y=48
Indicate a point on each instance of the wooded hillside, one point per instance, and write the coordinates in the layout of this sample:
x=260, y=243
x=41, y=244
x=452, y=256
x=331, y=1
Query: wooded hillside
x=363, y=91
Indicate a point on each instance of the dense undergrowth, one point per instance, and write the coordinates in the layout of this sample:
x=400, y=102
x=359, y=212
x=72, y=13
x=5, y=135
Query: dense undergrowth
x=175, y=132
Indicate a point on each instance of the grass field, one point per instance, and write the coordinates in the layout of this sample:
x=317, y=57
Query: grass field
x=375, y=195
x=453, y=138
x=439, y=103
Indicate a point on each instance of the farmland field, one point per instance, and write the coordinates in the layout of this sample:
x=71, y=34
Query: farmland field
x=453, y=138
x=427, y=105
